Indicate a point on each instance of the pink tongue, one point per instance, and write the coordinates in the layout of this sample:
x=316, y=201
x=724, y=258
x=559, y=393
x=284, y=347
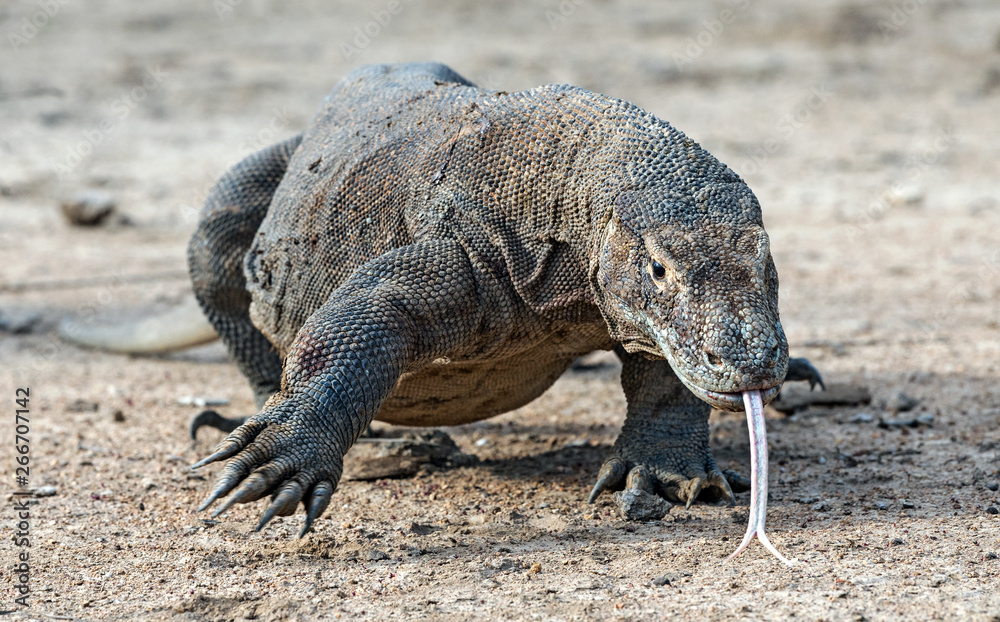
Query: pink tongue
x=758, y=476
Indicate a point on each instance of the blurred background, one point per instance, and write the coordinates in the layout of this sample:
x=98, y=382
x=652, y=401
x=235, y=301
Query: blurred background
x=869, y=131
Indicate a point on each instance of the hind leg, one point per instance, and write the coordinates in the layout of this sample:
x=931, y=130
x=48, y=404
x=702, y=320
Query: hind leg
x=229, y=221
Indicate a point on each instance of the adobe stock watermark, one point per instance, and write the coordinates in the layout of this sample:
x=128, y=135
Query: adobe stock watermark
x=266, y=136
x=711, y=30
x=85, y=314
x=370, y=30
x=120, y=107
x=895, y=193
x=966, y=291
x=785, y=128
x=899, y=17
x=29, y=27
x=566, y=9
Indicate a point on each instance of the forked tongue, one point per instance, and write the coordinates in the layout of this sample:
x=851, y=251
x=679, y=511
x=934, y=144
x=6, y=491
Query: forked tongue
x=758, y=476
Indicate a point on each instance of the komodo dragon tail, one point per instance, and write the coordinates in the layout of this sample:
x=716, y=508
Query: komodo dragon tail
x=181, y=327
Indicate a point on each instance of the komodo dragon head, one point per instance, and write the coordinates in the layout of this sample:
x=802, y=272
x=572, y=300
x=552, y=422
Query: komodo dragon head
x=690, y=278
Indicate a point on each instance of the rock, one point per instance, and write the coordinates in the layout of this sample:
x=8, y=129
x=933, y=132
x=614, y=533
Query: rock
x=422, y=530
x=661, y=580
x=22, y=323
x=88, y=209
x=822, y=506
x=862, y=418
x=992, y=510
x=993, y=486
x=82, y=406
x=908, y=505
x=834, y=395
x=201, y=402
x=901, y=403
x=376, y=555
x=927, y=420
x=633, y=504
x=403, y=456
x=45, y=491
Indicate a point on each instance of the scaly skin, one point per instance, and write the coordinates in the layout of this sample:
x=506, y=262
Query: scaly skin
x=436, y=254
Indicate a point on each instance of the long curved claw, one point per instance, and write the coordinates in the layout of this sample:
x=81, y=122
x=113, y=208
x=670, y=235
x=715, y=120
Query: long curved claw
x=252, y=488
x=758, y=475
x=318, y=502
x=221, y=453
x=610, y=476
x=283, y=504
x=233, y=444
x=212, y=419
x=719, y=480
x=691, y=489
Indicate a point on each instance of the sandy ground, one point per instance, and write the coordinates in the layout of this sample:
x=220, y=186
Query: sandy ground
x=870, y=133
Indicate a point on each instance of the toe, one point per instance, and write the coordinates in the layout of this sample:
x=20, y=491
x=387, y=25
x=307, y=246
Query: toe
x=736, y=481
x=640, y=478
x=610, y=478
x=317, y=503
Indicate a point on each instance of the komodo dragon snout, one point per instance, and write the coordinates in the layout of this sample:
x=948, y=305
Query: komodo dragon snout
x=700, y=291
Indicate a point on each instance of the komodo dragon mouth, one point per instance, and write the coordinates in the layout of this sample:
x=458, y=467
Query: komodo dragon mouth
x=732, y=402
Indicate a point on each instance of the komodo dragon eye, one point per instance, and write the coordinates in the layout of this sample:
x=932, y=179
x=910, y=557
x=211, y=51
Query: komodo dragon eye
x=658, y=270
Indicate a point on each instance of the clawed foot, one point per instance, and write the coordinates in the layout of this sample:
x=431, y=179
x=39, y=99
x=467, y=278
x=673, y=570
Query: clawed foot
x=708, y=482
x=286, y=456
x=802, y=369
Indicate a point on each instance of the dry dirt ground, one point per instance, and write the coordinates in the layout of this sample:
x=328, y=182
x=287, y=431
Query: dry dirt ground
x=870, y=133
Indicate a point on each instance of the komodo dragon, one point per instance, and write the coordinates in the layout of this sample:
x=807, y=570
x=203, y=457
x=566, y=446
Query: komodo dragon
x=430, y=253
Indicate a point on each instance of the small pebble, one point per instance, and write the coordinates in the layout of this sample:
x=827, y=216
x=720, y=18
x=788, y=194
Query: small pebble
x=199, y=401
x=901, y=403
x=822, y=506
x=881, y=505
x=376, y=555
x=19, y=323
x=897, y=541
x=88, y=209
x=908, y=505
x=45, y=491
x=862, y=418
x=542, y=506
x=482, y=442
x=535, y=568
x=661, y=580
x=992, y=510
x=993, y=486
x=991, y=555
x=82, y=406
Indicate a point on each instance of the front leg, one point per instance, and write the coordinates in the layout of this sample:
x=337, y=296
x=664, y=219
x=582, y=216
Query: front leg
x=663, y=446
x=395, y=314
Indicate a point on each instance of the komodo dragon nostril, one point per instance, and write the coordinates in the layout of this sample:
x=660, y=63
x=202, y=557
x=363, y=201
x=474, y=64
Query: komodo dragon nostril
x=712, y=360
